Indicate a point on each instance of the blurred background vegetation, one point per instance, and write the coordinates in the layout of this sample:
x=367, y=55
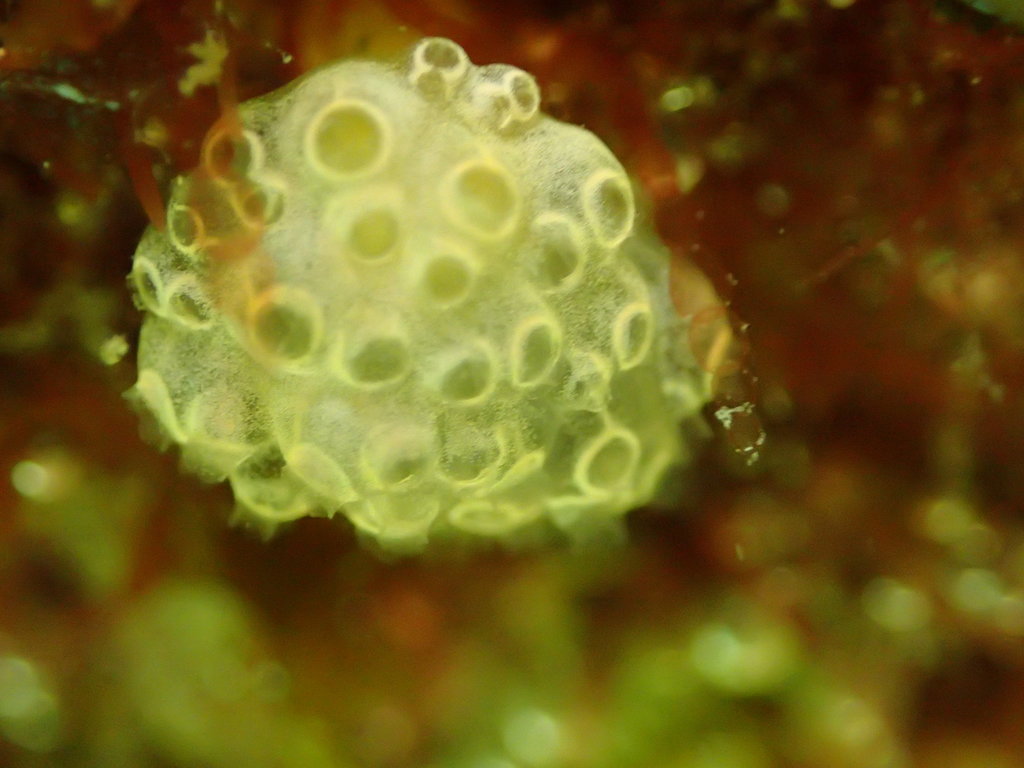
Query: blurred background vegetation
x=849, y=173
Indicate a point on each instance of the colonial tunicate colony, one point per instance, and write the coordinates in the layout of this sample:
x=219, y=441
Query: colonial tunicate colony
x=401, y=292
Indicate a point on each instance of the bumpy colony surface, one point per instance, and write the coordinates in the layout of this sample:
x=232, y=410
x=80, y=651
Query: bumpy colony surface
x=402, y=292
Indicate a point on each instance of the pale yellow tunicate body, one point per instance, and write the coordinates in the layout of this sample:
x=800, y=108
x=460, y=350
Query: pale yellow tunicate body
x=401, y=292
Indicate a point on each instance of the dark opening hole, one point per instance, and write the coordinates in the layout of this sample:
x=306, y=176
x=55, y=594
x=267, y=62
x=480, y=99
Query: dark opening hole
x=612, y=462
x=447, y=279
x=146, y=285
x=468, y=379
x=283, y=331
x=536, y=353
x=559, y=259
x=486, y=197
x=184, y=225
x=228, y=155
x=374, y=234
x=348, y=139
x=379, y=360
x=441, y=54
x=525, y=93
x=190, y=307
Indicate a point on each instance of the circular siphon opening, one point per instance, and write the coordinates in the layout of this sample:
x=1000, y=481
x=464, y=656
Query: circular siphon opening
x=467, y=380
x=189, y=308
x=228, y=153
x=184, y=226
x=431, y=82
x=398, y=455
x=403, y=466
x=379, y=361
x=348, y=139
x=469, y=453
x=374, y=234
x=147, y=284
x=632, y=334
x=536, y=354
x=608, y=203
x=447, y=279
x=609, y=463
x=320, y=472
x=559, y=259
x=283, y=331
x=442, y=54
x=498, y=110
x=614, y=205
x=524, y=93
x=260, y=205
x=560, y=254
x=485, y=198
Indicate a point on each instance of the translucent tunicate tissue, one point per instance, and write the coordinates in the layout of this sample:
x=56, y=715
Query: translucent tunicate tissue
x=400, y=292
